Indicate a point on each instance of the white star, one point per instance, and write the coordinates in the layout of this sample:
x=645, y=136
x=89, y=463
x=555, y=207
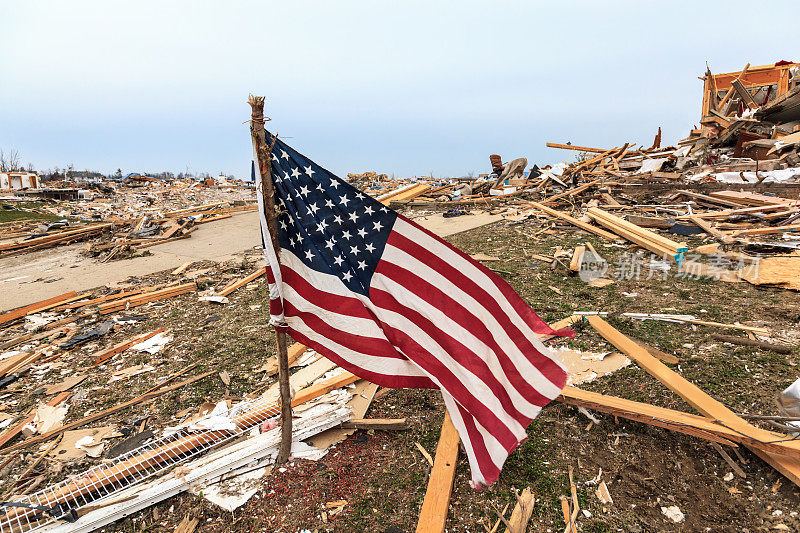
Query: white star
x=370, y=248
x=354, y=250
x=347, y=276
x=295, y=172
x=347, y=235
x=309, y=255
x=321, y=226
x=312, y=208
x=319, y=187
x=283, y=225
x=353, y=216
x=328, y=203
x=330, y=244
x=362, y=265
x=334, y=184
x=338, y=260
x=384, y=209
x=377, y=226
x=309, y=171
x=291, y=221
x=362, y=233
x=291, y=242
x=277, y=176
x=284, y=154
x=369, y=210
x=304, y=190
x=299, y=238
x=344, y=200
x=337, y=219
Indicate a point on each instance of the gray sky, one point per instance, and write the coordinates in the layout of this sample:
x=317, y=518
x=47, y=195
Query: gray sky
x=407, y=87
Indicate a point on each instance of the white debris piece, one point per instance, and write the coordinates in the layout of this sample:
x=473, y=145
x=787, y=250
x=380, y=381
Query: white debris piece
x=673, y=513
x=154, y=344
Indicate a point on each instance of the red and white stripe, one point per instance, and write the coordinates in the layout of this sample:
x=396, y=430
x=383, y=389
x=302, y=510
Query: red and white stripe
x=434, y=318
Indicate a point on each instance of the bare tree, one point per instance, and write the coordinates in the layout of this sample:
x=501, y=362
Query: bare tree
x=9, y=162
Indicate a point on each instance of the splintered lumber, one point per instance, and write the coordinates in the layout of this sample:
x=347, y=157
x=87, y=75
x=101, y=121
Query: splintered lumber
x=12, y=432
x=752, y=198
x=741, y=211
x=102, y=414
x=38, y=306
x=181, y=269
x=689, y=320
x=433, y=515
x=689, y=424
x=767, y=231
x=574, y=221
x=732, y=89
x=385, y=424
x=409, y=192
x=744, y=341
x=101, y=299
x=577, y=258
x=644, y=238
x=577, y=148
x=52, y=239
x=104, y=355
x=244, y=281
x=711, y=230
x=139, y=299
x=744, y=94
x=293, y=352
x=574, y=191
x=695, y=397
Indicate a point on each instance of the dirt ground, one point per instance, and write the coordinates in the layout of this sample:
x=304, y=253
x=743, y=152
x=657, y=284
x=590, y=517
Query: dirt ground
x=382, y=475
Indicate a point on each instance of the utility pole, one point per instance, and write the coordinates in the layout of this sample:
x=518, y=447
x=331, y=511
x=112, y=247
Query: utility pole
x=263, y=155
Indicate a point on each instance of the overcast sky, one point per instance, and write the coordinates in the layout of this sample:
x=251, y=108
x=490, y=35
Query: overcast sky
x=398, y=87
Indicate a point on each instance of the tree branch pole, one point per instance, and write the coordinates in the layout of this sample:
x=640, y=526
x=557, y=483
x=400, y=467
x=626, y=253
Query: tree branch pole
x=268, y=191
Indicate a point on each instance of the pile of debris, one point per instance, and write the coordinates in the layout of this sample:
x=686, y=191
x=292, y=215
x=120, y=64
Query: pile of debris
x=120, y=225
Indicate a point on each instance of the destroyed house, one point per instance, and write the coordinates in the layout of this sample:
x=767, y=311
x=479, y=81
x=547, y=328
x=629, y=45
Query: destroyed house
x=750, y=88
x=15, y=181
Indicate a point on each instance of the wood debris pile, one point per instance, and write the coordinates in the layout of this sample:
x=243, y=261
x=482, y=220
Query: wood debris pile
x=121, y=223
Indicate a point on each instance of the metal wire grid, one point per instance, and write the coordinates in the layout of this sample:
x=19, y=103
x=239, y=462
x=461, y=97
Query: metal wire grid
x=129, y=469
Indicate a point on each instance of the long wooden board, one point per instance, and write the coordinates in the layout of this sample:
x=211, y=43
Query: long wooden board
x=694, y=396
x=433, y=515
x=32, y=308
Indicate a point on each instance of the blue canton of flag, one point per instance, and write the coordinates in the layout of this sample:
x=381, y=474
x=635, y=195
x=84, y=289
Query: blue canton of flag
x=331, y=226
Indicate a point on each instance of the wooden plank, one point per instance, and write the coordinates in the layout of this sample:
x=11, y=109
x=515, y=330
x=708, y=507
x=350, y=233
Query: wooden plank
x=686, y=423
x=244, y=281
x=693, y=395
x=32, y=308
x=384, y=424
x=104, y=355
x=574, y=221
x=181, y=269
x=577, y=148
x=106, y=412
x=767, y=231
x=711, y=230
x=16, y=430
x=744, y=94
x=731, y=89
x=147, y=297
x=433, y=515
x=577, y=258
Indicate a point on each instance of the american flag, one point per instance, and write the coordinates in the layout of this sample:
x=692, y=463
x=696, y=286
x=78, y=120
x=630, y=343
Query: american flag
x=398, y=306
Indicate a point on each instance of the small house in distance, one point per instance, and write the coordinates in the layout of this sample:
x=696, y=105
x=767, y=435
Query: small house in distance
x=15, y=181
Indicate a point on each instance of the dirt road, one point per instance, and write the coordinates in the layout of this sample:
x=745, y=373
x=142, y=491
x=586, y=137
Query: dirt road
x=29, y=278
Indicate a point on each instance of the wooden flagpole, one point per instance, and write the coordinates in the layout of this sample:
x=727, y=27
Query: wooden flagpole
x=267, y=189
